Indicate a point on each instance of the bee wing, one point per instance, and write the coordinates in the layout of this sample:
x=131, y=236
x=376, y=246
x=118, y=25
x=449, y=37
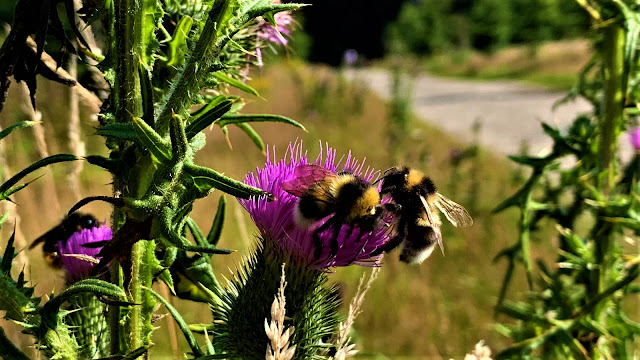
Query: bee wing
x=430, y=217
x=306, y=175
x=454, y=212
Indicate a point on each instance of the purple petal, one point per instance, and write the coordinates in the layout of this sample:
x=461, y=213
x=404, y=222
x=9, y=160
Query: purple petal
x=78, y=269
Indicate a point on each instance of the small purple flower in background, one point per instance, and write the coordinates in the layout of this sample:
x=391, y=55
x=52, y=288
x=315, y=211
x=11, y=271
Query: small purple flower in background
x=77, y=259
x=273, y=35
x=275, y=219
x=634, y=137
x=350, y=57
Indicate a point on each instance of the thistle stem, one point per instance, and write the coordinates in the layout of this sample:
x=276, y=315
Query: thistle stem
x=127, y=50
x=611, y=120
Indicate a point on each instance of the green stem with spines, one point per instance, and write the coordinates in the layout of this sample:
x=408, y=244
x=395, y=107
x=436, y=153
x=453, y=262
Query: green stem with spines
x=611, y=120
x=128, y=50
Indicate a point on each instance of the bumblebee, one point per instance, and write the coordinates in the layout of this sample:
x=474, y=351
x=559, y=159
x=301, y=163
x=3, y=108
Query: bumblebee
x=69, y=225
x=344, y=196
x=418, y=203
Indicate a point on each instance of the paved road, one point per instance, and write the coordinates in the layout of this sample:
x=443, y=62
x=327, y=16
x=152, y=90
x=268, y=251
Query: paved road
x=510, y=112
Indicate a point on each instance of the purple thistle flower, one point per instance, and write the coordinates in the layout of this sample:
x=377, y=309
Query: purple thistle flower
x=275, y=219
x=634, y=137
x=76, y=257
x=271, y=35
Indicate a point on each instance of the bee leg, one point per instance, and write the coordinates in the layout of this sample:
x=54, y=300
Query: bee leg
x=317, y=241
x=395, y=241
x=392, y=208
x=335, y=245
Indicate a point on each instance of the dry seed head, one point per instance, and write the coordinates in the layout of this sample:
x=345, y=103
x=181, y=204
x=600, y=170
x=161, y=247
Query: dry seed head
x=279, y=348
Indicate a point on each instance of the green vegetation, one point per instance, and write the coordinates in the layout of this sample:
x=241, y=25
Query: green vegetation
x=485, y=25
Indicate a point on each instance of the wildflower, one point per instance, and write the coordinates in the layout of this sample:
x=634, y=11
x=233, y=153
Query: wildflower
x=78, y=255
x=350, y=57
x=269, y=35
x=275, y=220
x=634, y=138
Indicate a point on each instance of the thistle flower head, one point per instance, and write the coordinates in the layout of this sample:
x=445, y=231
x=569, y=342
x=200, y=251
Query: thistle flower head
x=78, y=256
x=634, y=138
x=275, y=220
x=268, y=35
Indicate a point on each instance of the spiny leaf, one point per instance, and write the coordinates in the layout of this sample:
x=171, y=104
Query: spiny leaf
x=198, y=236
x=150, y=139
x=191, y=340
x=253, y=135
x=35, y=166
x=235, y=83
x=122, y=131
x=206, y=179
x=216, y=228
x=146, y=92
x=208, y=117
x=237, y=118
x=4, y=133
x=178, y=44
x=9, y=254
x=152, y=15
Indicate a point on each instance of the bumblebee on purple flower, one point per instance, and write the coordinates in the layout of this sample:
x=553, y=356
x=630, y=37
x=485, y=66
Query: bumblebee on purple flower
x=334, y=217
x=326, y=212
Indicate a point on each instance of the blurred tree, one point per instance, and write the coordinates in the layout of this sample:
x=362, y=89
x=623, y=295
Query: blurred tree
x=422, y=28
x=491, y=24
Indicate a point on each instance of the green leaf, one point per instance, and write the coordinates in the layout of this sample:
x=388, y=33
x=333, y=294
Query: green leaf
x=235, y=83
x=122, y=131
x=111, y=165
x=266, y=7
x=207, y=117
x=216, y=228
x=9, y=255
x=191, y=340
x=146, y=90
x=178, y=45
x=253, y=135
x=179, y=141
x=135, y=354
x=150, y=139
x=4, y=133
x=4, y=217
x=206, y=179
x=237, y=119
x=167, y=279
x=198, y=236
x=35, y=166
x=152, y=15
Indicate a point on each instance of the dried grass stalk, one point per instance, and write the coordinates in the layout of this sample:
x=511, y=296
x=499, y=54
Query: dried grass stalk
x=279, y=348
x=76, y=145
x=342, y=341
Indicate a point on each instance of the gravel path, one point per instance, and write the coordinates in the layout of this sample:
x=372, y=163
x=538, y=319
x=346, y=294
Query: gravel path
x=510, y=112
